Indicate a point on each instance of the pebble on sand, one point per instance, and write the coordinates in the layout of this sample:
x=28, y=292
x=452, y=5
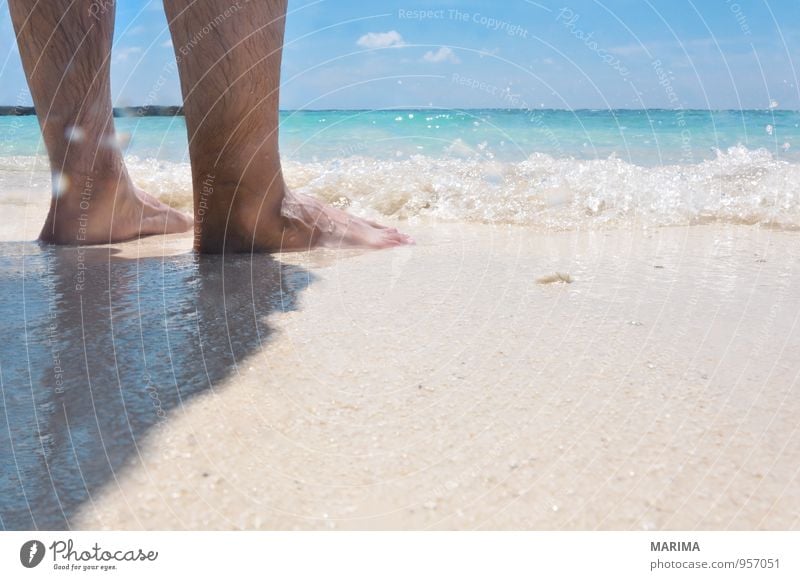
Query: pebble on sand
x=558, y=277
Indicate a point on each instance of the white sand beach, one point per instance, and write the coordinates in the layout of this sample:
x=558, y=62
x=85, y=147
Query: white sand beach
x=440, y=386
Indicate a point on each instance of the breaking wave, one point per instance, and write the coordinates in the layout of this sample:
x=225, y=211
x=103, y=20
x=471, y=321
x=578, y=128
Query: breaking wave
x=738, y=185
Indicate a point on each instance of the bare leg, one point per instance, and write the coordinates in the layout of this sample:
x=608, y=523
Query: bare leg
x=229, y=58
x=65, y=47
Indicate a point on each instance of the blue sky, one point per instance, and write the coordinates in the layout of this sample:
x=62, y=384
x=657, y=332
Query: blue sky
x=468, y=53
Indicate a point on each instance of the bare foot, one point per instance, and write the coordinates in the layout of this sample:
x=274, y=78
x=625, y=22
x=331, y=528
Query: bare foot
x=311, y=223
x=100, y=215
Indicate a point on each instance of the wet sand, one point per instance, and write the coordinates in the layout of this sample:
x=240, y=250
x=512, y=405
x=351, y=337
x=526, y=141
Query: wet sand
x=441, y=386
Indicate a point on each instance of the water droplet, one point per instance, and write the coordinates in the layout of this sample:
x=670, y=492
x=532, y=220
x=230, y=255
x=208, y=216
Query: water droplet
x=60, y=184
x=118, y=141
x=74, y=134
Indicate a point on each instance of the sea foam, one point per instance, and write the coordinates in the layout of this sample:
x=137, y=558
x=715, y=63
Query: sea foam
x=738, y=185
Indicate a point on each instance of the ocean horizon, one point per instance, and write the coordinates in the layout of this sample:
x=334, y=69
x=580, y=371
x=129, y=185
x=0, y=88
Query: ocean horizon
x=177, y=110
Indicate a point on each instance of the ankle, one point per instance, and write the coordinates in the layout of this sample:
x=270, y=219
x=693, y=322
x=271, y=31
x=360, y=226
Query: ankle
x=83, y=202
x=235, y=214
x=89, y=191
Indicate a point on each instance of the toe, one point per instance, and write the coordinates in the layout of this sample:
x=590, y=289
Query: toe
x=391, y=239
x=404, y=238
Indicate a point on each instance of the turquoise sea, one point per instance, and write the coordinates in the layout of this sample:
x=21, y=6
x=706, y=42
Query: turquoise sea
x=561, y=169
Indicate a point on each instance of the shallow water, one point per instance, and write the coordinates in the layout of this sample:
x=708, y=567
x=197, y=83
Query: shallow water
x=96, y=351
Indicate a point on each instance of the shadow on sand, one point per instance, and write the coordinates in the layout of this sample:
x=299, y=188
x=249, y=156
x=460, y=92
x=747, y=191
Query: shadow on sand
x=96, y=350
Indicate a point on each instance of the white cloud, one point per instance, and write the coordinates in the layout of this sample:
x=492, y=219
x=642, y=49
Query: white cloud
x=444, y=54
x=381, y=40
x=488, y=52
x=167, y=43
x=123, y=53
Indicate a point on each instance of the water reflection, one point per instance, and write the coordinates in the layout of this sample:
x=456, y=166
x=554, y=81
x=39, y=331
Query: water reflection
x=95, y=350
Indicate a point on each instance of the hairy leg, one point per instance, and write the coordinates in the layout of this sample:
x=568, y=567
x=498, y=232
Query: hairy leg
x=65, y=47
x=229, y=58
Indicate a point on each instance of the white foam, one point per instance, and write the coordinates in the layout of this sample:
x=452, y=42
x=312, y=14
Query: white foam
x=738, y=185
